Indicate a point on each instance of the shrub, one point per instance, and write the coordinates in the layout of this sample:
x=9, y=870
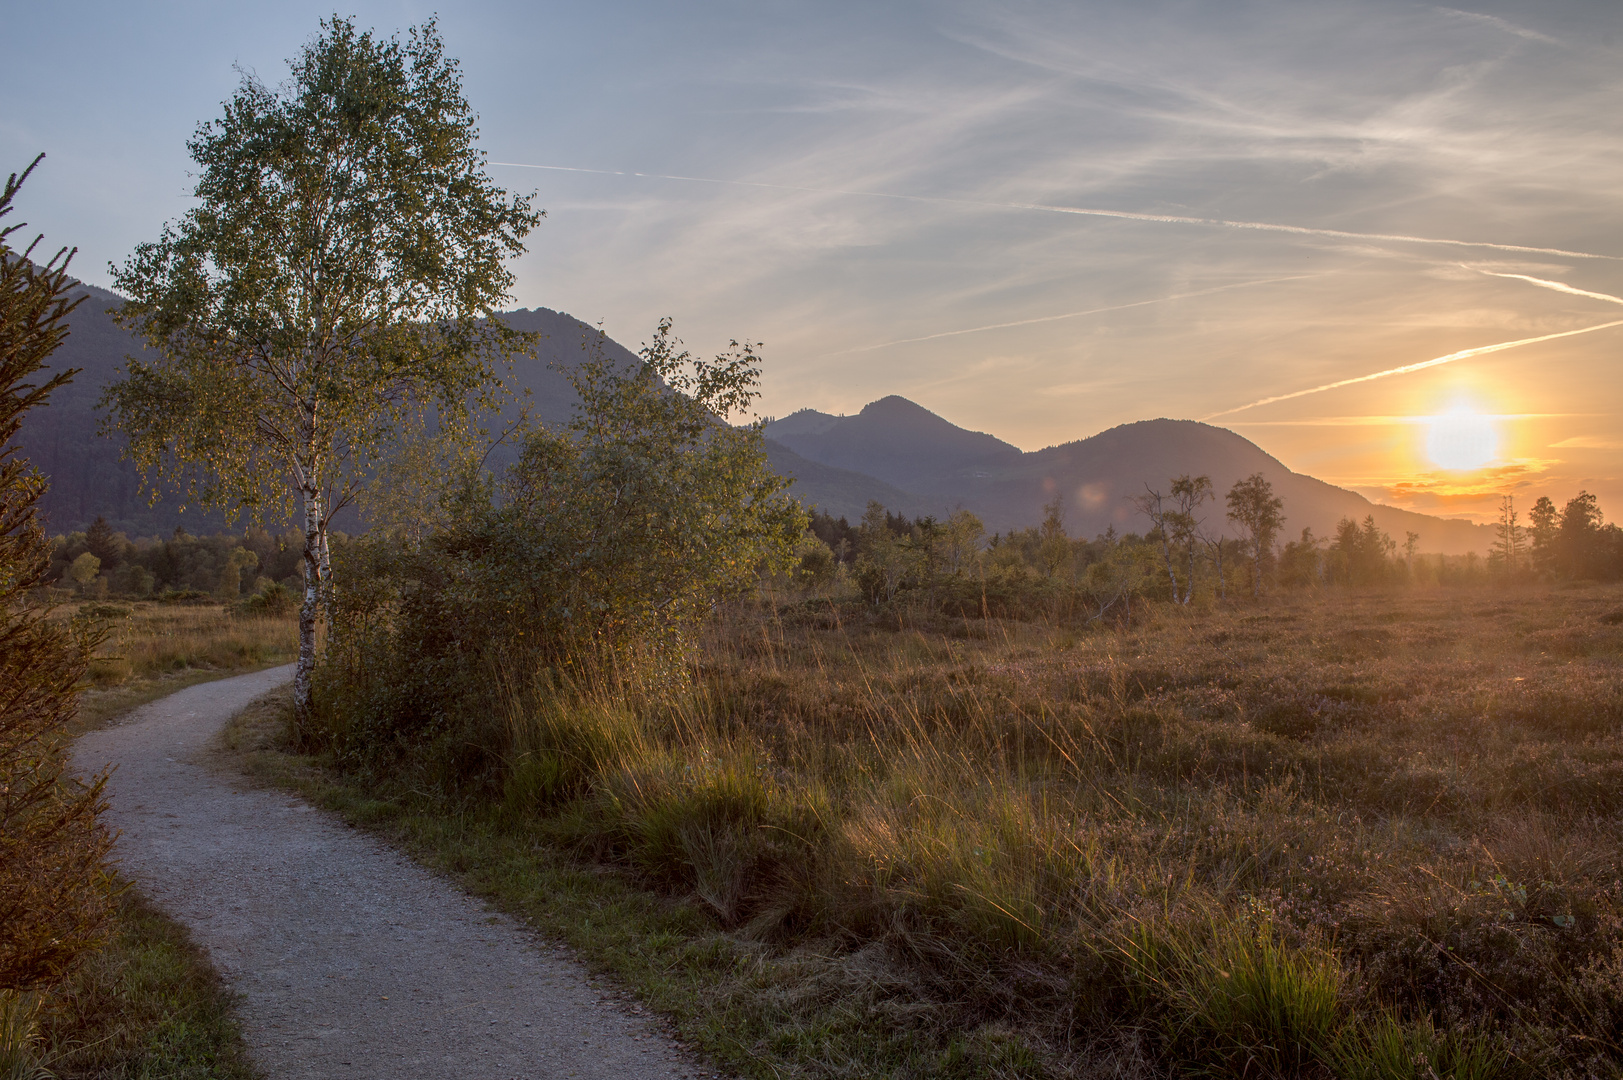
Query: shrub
x=600, y=550
x=274, y=600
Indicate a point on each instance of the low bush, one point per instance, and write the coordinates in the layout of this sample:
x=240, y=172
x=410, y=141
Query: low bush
x=275, y=600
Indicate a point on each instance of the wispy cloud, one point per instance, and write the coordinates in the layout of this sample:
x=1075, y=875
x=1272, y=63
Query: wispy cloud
x=1463, y=354
x=1588, y=442
x=1504, y=25
x=1123, y=215
x=1070, y=314
x=1557, y=286
x=1390, y=421
x=1014, y=212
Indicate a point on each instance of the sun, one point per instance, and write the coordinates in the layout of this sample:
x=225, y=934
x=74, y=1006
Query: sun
x=1462, y=439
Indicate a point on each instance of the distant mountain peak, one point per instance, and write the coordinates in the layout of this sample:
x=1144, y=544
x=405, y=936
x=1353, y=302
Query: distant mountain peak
x=894, y=439
x=803, y=422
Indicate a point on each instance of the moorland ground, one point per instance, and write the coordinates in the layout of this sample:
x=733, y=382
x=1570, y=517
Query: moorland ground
x=1354, y=833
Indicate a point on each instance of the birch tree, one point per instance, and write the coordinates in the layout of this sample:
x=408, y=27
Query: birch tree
x=1253, y=506
x=1176, y=528
x=324, y=294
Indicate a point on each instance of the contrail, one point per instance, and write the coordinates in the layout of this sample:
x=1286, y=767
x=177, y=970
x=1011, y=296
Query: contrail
x=1125, y=215
x=1382, y=421
x=1069, y=314
x=1463, y=354
x=1558, y=286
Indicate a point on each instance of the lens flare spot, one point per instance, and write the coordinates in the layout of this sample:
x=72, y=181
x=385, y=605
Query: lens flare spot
x=1462, y=439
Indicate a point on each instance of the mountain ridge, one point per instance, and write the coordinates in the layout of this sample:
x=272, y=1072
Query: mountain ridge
x=894, y=451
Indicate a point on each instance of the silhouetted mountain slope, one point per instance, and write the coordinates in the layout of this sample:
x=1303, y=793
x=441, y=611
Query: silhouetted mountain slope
x=897, y=441
x=1094, y=478
x=1097, y=477
x=89, y=479
x=840, y=492
x=893, y=451
x=61, y=439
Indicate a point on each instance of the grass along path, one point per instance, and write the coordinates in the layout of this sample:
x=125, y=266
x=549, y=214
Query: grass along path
x=757, y=1010
x=148, y=1005
x=154, y=649
x=1371, y=834
x=350, y=960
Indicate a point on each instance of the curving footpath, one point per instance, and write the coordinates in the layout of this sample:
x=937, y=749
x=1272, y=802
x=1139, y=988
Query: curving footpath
x=352, y=960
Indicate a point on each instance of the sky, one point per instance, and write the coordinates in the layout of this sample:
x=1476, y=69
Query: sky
x=1307, y=222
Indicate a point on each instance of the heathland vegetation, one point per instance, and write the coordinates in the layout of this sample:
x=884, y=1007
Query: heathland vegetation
x=1016, y=817
x=1171, y=802
x=910, y=799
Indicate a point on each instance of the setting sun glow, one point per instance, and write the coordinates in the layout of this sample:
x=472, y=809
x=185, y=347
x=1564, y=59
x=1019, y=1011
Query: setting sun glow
x=1462, y=439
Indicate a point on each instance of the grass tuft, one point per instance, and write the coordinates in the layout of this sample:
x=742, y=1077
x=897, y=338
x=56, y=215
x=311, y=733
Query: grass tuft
x=148, y=1005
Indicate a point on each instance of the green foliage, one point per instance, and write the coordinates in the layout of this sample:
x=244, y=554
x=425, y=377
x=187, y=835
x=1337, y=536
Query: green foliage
x=1387, y=1048
x=273, y=600
x=149, y=1005
x=332, y=284
x=1253, y=506
x=219, y=565
x=1362, y=555
x=1176, y=528
x=602, y=548
x=327, y=285
x=82, y=569
x=1584, y=547
x=54, y=882
x=815, y=566
x=1508, y=556
x=1234, y=999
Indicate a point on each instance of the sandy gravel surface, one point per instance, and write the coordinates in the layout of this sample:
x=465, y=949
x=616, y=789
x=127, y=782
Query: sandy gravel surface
x=352, y=960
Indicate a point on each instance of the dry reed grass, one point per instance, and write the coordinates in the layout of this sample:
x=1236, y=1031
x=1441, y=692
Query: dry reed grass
x=1390, y=805
x=153, y=649
x=1356, y=834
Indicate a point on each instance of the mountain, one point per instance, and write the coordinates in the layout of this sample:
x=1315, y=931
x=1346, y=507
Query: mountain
x=840, y=492
x=893, y=451
x=1094, y=479
x=898, y=442
x=89, y=479
x=61, y=437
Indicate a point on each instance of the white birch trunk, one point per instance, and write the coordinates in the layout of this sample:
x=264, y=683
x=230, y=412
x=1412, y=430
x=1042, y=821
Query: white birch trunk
x=315, y=578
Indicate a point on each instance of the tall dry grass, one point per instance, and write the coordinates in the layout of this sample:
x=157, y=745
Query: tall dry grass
x=1351, y=834
x=147, y=639
x=153, y=648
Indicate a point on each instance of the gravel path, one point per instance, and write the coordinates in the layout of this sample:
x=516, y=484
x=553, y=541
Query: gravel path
x=353, y=961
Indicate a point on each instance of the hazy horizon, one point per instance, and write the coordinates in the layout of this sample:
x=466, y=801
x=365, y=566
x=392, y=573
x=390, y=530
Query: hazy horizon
x=1039, y=222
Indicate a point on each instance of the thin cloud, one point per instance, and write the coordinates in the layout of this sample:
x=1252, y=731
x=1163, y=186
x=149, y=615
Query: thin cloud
x=1123, y=215
x=1505, y=25
x=1390, y=421
x=1463, y=354
x=1070, y=314
x=1558, y=286
x=1587, y=442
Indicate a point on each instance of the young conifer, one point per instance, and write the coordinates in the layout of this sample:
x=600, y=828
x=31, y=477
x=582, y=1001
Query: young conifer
x=55, y=900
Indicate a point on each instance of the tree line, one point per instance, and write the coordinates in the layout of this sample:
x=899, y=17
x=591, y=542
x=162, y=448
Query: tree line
x=99, y=562
x=1572, y=543
x=1186, y=549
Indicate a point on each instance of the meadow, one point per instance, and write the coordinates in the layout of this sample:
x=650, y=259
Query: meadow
x=151, y=649
x=1332, y=833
